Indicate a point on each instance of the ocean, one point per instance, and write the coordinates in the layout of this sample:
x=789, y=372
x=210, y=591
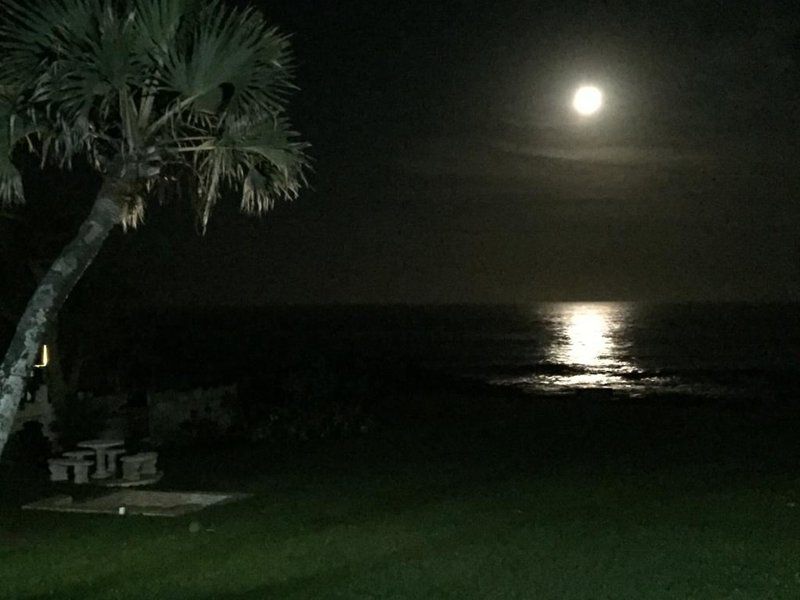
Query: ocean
x=635, y=350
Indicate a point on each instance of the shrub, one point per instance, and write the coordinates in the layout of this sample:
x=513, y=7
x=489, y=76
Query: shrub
x=311, y=400
x=29, y=445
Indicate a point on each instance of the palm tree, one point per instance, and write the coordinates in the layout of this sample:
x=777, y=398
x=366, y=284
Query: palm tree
x=167, y=97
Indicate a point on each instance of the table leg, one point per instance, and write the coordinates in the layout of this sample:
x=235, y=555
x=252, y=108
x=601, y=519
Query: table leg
x=100, y=470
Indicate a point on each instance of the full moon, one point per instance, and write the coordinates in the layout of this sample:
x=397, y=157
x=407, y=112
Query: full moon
x=588, y=100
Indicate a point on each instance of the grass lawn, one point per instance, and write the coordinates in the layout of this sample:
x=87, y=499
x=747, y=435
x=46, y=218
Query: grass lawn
x=516, y=502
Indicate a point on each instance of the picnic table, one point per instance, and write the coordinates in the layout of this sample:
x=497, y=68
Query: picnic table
x=101, y=448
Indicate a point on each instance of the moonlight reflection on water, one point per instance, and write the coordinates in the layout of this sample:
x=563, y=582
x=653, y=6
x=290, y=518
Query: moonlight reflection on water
x=587, y=333
x=587, y=337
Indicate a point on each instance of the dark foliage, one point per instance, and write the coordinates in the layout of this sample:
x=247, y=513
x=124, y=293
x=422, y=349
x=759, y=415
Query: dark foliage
x=78, y=418
x=315, y=398
x=29, y=445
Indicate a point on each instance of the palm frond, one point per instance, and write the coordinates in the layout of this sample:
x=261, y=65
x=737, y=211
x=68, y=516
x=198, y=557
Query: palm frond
x=156, y=86
x=263, y=159
x=34, y=35
x=71, y=60
x=233, y=62
x=13, y=129
x=11, y=191
x=159, y=23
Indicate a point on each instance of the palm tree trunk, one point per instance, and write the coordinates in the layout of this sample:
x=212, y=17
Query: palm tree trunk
x=48, y=298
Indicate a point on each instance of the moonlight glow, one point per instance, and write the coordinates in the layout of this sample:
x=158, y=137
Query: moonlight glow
x=588, y=100
x=588, y=335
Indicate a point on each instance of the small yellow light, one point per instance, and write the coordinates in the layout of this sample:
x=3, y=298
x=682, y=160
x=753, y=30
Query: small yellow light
x=45, y=358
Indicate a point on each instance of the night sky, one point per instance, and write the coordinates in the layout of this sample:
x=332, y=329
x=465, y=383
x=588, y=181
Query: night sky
x=449, y=166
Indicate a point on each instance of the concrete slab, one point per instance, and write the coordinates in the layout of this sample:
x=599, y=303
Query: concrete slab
x=137, y=502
